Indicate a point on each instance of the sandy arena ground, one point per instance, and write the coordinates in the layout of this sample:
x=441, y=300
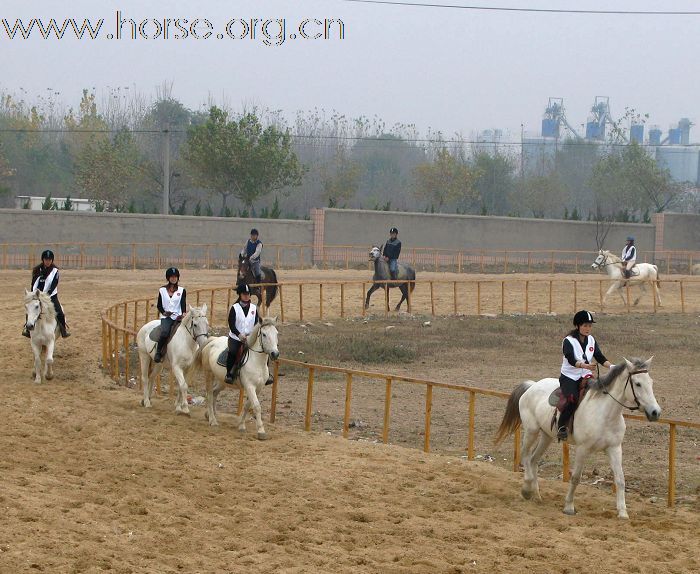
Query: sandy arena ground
x=92, y=482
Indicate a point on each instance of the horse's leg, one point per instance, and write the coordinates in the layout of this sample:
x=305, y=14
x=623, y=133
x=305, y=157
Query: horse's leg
x=37, y=362
x=371, y=290
x=145, y=361
x=542, y=445
x=404, y=295
x=244, y=411
x=48, y=361
x=615, y=456
x=581, y=454
x=210, y=413
x=529, y=438
x=181, y=406
x=257, y=411
x=643, y=291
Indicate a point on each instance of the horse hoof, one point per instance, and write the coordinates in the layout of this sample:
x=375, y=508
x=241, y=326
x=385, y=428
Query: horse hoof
x=183, y=413
x=262, y=436
x=206, y=416
x=623, y=515
x=570, y=512
x=526, y=494
x=49, y=377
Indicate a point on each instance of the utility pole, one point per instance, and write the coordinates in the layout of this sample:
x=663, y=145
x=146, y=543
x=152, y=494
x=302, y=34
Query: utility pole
x=166, y=170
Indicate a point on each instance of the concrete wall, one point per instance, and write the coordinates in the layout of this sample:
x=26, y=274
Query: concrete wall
x=680, y=231
x=467, y=232
x=50, y=227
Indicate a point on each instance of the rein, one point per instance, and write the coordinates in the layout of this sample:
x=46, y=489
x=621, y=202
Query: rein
x=634, y=394
x=262, y=345
x=192, y=333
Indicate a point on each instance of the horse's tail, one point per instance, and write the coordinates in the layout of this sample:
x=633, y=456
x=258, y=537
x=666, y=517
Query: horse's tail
x=271, y=292
x=511, y=418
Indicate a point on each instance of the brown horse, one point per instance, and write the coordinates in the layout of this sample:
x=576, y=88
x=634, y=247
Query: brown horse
x=269, y=279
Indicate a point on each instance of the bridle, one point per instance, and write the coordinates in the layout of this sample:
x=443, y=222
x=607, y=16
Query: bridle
x=41, y=309
x=604, y=262
x=634, y=394
x=260, y=338
x=194, y=335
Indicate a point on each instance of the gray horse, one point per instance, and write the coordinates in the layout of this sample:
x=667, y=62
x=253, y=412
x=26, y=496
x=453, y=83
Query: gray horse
x=381, y=273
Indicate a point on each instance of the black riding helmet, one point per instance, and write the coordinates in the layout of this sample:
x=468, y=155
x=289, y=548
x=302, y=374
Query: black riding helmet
x=393, y=230
x=583, y=317
x=47, y=254
x=242, y=288
x=254, y=231
x=170, y=272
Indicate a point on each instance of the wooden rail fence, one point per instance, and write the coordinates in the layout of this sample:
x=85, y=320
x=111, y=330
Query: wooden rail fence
x=299, y=256
x=119, y=329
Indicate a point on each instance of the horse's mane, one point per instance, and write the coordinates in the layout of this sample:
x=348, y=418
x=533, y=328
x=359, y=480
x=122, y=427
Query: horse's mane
x=255, y=333
x=46, y=304
x=606, y=380
x=611, y=255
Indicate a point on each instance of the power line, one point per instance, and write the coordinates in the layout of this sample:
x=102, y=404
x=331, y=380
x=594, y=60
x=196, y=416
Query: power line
x=535, y=10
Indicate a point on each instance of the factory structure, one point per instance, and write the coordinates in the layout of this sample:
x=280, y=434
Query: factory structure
x=672, y=151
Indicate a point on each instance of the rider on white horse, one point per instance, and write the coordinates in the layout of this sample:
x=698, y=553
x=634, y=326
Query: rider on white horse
x=45, y=279
x=242, y=317
x=172, y=305
x=579, y=349
x=629, y=257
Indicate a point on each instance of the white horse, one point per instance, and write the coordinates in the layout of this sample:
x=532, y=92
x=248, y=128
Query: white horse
x=181, y=354
x=641, y=273
x=41, y=323
x=598, y=423
x=262, y=343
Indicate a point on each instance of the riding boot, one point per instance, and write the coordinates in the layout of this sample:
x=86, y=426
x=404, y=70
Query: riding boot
x=159, y=350
x=62, y=327
x=231, y=368
x=563, y=423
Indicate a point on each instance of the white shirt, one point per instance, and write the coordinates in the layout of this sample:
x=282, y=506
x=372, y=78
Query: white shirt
x=47, y=283
x=627, y=251
x=171, y=304
x=580, y=354
x=244, y=323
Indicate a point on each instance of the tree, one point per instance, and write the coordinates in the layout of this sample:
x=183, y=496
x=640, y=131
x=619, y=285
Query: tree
x=494, y=181
x=341, y=178
x=629, y=179
x=445, y=179
x=543, y=195
x=109, y=170
x=241, y=158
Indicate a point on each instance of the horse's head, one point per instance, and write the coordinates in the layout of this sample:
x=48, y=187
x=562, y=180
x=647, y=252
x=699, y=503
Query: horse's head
x=268, y=337
x=600, y=260
x=640, y=388
x=199, y=324
x=243, y=268
x=375, y=253
x=32, y=306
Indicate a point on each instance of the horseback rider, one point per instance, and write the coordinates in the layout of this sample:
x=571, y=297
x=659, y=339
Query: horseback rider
x=252, y=250
x=392, y=250
x=172, y=305
x=629, y=257
x=45, y=279
x=579, y=349
x=242, y=318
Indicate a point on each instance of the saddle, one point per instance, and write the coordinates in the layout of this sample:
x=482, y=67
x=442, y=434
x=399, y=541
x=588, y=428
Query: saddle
x=241, y=357
x=155, y=334
x=558, y=400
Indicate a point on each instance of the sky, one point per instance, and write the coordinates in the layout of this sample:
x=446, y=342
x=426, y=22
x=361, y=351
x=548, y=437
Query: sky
x=453, y=70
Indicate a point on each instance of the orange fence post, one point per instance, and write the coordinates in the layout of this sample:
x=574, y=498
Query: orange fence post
x=211, y=307
x=682, y=298
x=600, y=293
x=470, y=440
x=348, y=402
x=387, y=411
x=320, y=300
x=432, y=300
x=241, y=398
x=126, y=358
x=133, y=256
x=428, y=413
x=505, y=261
x=565, y=462
x=362, y=299
x=309, y=400
x=627, y=289
x=516, y=450
x=550, y=296
x=281, y=303
x=301, y=306
x=527, y=297
x=503, y=297
x=478, y=297
x=672, y=465
x=454, y=293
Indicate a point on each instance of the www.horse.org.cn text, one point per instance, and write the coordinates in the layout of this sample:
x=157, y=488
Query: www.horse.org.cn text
x=268, y=31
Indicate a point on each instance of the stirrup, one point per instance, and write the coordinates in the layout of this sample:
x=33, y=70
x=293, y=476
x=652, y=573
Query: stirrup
x=562, y=433
x=158, y=358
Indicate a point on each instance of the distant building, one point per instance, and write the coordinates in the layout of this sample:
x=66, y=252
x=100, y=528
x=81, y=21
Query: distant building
x=683, y=162
x=36, y=202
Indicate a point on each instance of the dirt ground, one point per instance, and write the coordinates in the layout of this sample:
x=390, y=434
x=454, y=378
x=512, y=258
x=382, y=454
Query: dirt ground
x=93, y=482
